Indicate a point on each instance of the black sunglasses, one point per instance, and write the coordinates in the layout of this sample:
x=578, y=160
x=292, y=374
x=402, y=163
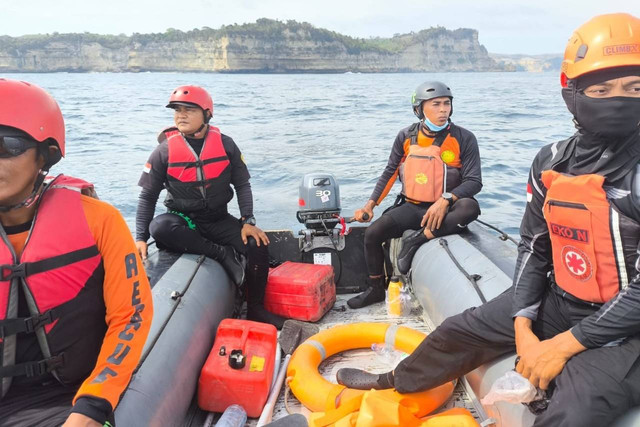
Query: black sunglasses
x=12, y=146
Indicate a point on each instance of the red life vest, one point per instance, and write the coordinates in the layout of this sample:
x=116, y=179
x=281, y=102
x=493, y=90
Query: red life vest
x=586, y=237
x=197, y=183
x=61, y=275
x=423, y=173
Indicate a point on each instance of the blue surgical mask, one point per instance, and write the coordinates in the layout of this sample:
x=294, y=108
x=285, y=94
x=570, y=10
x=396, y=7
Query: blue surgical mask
x=435, y=128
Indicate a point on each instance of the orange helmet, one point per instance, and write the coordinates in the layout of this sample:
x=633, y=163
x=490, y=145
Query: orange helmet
x=606, y=41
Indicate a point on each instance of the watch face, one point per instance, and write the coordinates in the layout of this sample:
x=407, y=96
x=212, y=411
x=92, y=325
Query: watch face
x=447, y=196
x=250, y=221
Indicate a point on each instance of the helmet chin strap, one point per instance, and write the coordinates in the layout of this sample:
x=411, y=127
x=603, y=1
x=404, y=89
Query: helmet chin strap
x=193, y=135
x=31, y=198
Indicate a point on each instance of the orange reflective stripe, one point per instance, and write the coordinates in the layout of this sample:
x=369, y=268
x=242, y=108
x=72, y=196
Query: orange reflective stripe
x=579, y=219
x=388, y=187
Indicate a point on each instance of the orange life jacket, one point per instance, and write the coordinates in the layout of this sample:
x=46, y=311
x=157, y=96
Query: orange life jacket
x=423, y=173
x=586, y=237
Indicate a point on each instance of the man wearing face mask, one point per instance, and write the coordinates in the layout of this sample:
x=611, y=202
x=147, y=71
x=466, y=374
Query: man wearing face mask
x=439, y=166
x=573, y=313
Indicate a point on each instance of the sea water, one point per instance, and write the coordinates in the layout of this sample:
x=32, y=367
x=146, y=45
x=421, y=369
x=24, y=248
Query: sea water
x=289, y=125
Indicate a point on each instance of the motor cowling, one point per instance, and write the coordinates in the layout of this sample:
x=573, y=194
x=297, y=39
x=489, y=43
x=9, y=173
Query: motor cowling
x=319, y=202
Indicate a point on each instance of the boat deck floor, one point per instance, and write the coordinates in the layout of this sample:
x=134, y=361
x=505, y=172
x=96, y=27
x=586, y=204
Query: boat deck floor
x=367, y=359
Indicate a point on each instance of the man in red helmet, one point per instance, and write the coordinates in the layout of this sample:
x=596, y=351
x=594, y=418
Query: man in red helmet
x=75, y=302
x=198, y=165
x=573, y=313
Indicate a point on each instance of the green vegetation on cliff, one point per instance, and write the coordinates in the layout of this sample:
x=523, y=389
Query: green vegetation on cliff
x=263, y=29
x=266, y=46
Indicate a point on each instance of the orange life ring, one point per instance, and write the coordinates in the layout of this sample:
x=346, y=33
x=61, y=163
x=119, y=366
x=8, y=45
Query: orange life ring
x=319, y=395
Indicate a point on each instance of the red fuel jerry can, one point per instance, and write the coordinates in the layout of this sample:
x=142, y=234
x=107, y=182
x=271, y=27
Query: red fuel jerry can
x=239, y=368
x=300, y=291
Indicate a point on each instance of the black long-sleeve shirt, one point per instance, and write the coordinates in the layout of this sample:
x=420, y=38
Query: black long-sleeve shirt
x=465, y=154
x=615, y=319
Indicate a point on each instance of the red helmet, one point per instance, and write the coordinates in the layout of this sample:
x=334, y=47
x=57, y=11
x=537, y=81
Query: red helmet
x=29, y=108
x=191, y=95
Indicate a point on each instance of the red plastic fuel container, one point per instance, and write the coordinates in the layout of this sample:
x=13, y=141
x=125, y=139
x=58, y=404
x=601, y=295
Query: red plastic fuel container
x=239, y=368
x=300, y=291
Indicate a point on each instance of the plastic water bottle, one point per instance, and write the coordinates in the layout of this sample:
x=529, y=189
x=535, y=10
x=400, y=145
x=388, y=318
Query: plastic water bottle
x=233, y=416
x=394, y=302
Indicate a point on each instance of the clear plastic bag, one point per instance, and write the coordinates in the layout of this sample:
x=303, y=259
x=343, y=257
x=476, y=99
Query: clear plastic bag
x=398, y=299
x=389, y=355
x=511, y=387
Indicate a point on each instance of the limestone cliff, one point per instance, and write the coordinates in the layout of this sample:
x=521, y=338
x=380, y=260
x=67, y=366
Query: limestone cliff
x=266, y=46
x=531, y=63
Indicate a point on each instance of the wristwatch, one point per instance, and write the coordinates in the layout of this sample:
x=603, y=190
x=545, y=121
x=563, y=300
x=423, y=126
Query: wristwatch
x=251, y=220
x=448, y=197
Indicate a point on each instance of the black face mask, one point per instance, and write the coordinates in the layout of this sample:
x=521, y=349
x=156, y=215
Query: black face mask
x=608, y=138
x=609, y=118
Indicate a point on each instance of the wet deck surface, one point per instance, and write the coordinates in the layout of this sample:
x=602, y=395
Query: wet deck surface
x=366, y=359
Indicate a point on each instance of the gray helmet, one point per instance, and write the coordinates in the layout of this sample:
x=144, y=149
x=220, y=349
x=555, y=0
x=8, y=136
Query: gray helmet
x=429, y=90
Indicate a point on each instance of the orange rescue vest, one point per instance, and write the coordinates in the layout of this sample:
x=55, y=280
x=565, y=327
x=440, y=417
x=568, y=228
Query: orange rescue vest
x=423, y=173
x=584, y=229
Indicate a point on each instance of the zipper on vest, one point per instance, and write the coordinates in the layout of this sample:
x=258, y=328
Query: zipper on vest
x=568, y=205
x=198, y=164
x=421, y=157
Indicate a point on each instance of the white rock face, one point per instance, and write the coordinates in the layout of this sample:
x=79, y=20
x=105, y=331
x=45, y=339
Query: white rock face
x=291, y=47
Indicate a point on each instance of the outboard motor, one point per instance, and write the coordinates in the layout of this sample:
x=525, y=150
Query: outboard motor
x=324, y=237
x=319, y=203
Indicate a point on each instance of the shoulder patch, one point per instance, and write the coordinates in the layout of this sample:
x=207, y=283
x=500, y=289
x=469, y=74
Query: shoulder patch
x=448, y=156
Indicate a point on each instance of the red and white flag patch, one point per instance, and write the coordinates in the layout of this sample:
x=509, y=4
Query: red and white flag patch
x=146, y=168
x=529, y=193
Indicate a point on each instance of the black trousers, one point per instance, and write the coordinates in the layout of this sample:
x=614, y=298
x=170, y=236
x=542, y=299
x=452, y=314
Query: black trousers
x=594, y=388
x=408, y=216
x=36, y=406
x=173, y=232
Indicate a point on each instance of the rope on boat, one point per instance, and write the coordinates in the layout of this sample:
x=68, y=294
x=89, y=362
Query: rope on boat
x=503, y=235
x=209, y=421
x=473, y=278
x=286, y=395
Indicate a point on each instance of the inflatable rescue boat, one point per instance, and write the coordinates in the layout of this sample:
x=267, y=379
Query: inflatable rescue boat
x=192, y=294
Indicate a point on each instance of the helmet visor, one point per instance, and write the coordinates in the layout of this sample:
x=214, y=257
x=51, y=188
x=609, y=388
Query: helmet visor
x=12, y=146
x=174, y=104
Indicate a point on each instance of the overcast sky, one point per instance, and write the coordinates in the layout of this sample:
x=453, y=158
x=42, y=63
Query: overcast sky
x=518, y=26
